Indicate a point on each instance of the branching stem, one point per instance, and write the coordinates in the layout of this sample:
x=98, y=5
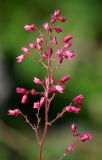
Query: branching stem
x=32, y=126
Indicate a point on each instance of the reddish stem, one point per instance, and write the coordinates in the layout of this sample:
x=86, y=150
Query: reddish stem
x=44, y=133
x=46, y=110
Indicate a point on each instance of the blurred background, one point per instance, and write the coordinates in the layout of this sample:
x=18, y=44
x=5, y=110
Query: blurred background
x=84, y=21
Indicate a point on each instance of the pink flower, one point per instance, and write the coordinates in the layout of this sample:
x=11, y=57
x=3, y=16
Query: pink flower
x=61, y=19
x=85, y=137
x=20, y=58
x=14, y=112
x=78, y=99
x=69, y=54
x=42, y=101
x=46, y=26
x=67, y=38
x=59, y=56
x=53, y=19
x=20, y=90
x=64, y=79
x=72, y=109
x=67, y=46
x=24, y=98
x=56, y=13
x=49, y=52
x=37, y=80
x=25, y=50
x=59, y=88
x=74, y=127
x=69, y=148
x=45, y=55
x=32, y=45
x=39, y=41
x=30, y=27
x=36, y=105
x=54, y=40
x=58, y=29
x=59, y=51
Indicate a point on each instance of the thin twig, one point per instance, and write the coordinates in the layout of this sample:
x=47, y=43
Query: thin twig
x=59, y=115
x=38, y=119
x=32, y=126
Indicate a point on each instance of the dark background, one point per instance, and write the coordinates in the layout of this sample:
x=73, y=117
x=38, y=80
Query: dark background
x=84, y=21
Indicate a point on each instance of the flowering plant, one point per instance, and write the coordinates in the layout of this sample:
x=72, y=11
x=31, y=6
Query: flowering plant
x=54, y=52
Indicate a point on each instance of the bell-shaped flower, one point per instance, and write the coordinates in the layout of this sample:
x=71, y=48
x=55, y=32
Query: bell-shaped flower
x=13, y=112
x=30, y=27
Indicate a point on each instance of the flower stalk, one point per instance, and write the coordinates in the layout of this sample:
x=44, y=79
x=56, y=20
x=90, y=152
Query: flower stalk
x=54, y=51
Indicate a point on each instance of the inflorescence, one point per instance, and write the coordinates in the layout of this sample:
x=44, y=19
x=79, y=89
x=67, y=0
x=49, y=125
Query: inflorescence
x=50, y=50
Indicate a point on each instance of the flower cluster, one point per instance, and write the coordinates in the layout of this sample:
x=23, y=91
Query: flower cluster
x=62, y=51
x=55, y=51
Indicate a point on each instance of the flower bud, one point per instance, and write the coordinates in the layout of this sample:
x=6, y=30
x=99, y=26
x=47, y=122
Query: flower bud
x=58, y=29
x=64, y=79
x=85, y=137
x=20, y=58
x=49, y=52
x=67, y=46
x=56, y=13
x=46, y=26
x=42, y=101
x=53, y=19
x=78, y=99
x=54, y=40
x=45, y=55
x=20, y=90
x=72, y=109
x=59, y=56
x=69, y=148
x=69, y=54
x=74, y=127
x=67, y=38
x=39, y=41
x=36, y=105
x=14, y=112
x=61, y=19
x=25, y=50
x=24, y=98
x=32, y=45
x=37, y=80
x=59, y=88
x=30, y=27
